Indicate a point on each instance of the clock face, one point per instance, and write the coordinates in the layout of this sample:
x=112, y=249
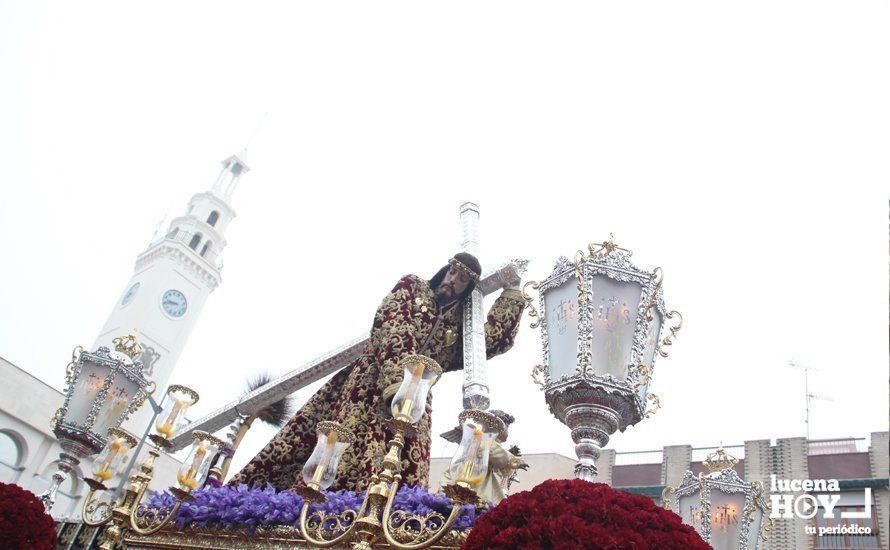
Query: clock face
x=174, y=303
x=130, y=293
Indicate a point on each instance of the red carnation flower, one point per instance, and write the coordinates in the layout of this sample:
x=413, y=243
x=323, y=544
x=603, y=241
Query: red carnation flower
x=570, y=514
x=23, y=523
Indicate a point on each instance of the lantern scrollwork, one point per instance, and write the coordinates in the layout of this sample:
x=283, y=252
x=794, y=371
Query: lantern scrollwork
x=601, y=319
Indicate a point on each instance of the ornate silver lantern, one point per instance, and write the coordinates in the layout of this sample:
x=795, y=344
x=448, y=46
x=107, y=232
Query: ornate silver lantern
x=102, y=389
x=600, y=330
x=725, y=510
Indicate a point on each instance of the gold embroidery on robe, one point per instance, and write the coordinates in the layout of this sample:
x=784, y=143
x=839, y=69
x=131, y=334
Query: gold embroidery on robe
x=355, y=396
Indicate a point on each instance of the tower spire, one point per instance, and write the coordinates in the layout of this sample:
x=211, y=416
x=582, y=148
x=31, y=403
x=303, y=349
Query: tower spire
x=253, y=135
x=233, y=168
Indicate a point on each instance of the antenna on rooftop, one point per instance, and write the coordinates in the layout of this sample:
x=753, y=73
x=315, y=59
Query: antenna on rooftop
x=810, y=397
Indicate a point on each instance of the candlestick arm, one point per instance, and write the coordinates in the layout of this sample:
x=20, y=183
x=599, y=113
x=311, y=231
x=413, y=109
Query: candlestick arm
x=95, y=512
x=312, y=525
x=428, y=529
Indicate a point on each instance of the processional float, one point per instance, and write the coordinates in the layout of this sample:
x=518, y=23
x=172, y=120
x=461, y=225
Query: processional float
x=603, y=323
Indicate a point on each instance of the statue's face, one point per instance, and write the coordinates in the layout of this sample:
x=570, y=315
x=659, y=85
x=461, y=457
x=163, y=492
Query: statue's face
x=453, y=285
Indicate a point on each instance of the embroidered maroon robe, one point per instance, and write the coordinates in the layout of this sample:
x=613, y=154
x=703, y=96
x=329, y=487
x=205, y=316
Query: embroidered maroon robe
x=407, y=322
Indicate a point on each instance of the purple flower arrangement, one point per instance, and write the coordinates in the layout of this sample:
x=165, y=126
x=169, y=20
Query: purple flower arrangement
x=242, y=507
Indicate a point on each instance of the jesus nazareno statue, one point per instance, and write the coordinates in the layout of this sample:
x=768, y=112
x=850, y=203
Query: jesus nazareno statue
x=416, y=317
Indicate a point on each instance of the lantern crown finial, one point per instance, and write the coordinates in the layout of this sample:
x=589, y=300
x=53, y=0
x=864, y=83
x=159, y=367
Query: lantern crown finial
x=600, y=251
x=719, y=460
x=128, y=345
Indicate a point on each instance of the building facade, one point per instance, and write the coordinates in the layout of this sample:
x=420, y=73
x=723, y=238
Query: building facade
x=29, y=452
x=856, y=463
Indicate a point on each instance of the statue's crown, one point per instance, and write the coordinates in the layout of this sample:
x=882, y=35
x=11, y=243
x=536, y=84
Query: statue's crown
x=719, y=460
x=128, y=345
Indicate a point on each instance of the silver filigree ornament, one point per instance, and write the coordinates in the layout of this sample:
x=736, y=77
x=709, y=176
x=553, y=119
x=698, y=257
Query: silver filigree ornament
x=106, y=382
x=593, y=402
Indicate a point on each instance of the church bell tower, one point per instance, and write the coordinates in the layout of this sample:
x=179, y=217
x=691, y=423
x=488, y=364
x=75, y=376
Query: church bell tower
x=174, y=276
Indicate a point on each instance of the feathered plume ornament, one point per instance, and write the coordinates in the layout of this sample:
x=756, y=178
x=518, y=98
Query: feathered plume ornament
x=277, y=414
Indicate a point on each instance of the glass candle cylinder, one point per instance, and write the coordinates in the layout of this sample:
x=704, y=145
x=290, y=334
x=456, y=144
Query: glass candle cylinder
x=469, y=466
x=115, y=452
x=420, y=374
x=194, y=470
x=320, y=470
x=171, y=418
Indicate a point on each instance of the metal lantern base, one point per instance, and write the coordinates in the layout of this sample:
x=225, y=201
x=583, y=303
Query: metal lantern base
x=67, y=463
x=593, y=409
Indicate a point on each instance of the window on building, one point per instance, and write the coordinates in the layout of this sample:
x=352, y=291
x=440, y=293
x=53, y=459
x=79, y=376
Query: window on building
x=9, y=450
x=212, y=218
x=10, y=457
x=843, y=533
x=196, y=239
x=206, y=247
x=172, y=233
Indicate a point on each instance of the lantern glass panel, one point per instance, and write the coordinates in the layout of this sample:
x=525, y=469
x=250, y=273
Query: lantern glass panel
x=653, y=331
x=194, y=470
x=727, y=514
x=470, y=463
x=409, y=402
x=120, y=395
x=561, y=313
x=614, y=308
x=321, y=468
x=89, y=381
x=754, y=528
x=111, y=457
x=691, y=511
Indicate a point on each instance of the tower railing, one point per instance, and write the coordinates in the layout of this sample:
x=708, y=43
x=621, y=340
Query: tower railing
x=185, y=237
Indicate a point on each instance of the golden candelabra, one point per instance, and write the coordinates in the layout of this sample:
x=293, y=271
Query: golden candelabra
x=129, y=513
x=375, y=517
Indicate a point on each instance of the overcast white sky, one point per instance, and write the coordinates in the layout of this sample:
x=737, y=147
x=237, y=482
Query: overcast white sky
x=740, y=146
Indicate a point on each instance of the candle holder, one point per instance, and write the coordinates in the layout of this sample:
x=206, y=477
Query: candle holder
x=469, y=466
x=120, y=443
x=172, y=415
x=320, y=470
x=375, y=517
x=420, y=374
